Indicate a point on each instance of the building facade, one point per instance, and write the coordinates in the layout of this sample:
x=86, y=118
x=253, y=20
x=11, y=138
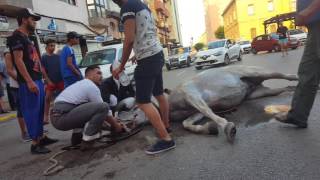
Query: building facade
x=243, y=19
x=213, y=10
x=96, y=20
x=167, y=20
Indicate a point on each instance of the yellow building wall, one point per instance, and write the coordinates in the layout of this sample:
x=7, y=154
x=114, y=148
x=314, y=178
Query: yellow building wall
x=231, y=24
x=203, y=39
x=250, y=26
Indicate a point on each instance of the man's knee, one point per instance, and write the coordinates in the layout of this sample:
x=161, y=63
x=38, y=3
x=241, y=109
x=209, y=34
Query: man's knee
x=103, y=107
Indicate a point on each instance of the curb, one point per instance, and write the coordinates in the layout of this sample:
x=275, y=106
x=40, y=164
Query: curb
x=8, y=117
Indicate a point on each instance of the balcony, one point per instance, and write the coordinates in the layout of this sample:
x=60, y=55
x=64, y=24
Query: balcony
x=10, y=7
x=98, y=22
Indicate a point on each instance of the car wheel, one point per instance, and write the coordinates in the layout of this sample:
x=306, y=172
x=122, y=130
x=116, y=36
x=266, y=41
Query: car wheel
x=254, y=51
x=276, y=48
x=226, y=60
x=240, y=56
x=294, y=48
x=168, y=67
x=198, y=67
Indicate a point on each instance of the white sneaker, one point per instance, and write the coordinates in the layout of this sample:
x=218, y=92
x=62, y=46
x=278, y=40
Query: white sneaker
x=96, y=136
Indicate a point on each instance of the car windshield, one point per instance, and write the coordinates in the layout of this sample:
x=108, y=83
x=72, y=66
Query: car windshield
x=102, y=57
x=295, y=31
x=244, y=42
x=174, y=52
x=217, y=44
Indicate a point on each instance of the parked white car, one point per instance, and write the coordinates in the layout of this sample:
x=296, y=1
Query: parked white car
x=245, y=46
x=219, y=52
x=105, y=57
x=299, y=34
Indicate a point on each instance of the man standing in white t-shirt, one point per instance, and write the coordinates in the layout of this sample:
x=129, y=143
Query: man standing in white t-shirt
x=80, y=108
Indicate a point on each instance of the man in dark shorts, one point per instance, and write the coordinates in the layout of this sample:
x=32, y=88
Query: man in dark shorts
x=52, y=74
x=283, y=38
x=31, y=88
x=309, y=69
x=69, y=68
x=141, y=36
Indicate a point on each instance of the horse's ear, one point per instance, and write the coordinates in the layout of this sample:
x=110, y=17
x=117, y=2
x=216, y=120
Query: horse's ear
x=167, y=91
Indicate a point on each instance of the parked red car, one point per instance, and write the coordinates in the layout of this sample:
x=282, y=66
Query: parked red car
x=270, y=43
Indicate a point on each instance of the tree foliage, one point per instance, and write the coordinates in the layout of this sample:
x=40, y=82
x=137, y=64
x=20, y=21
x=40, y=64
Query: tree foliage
x=220, y=33
x=199, y=46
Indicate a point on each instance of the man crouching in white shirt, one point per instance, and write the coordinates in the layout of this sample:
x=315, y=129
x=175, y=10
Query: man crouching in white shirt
x=80, y=108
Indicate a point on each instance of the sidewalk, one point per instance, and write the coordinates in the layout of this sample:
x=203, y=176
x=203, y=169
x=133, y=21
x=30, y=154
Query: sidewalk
x=8, y=116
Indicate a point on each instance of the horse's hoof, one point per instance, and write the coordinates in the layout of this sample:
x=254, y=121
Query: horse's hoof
x=213, y=128
x=230, y=131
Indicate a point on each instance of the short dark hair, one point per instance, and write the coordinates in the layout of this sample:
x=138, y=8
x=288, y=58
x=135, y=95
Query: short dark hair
x=49, y=41
x=91, y=68
x=72, y=35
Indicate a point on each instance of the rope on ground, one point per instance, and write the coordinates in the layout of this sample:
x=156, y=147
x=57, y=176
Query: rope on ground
x=55, y=167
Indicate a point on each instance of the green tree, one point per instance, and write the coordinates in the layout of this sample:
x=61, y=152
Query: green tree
x=199, y=46
x=220, y=32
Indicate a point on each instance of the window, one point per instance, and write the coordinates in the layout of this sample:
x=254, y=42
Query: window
x=250, y=9
x=102, y=57
x=96, y=8
x=270, y=6
x=72, y=2
x=293, y=5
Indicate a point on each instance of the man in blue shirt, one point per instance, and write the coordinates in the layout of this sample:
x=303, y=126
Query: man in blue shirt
x=69, y=68
x=308, y=14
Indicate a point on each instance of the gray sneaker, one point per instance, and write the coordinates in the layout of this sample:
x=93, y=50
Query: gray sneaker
x=161, y=146
x=26, y=138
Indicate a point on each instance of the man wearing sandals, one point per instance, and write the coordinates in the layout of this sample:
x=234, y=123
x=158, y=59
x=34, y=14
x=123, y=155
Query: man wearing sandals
x=80, y=108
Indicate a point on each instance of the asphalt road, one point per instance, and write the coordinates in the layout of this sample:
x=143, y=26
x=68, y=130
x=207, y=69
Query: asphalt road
x=264, y=149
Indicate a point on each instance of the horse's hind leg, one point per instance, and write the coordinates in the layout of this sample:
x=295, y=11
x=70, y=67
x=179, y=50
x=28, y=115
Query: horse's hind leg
x=289, y=77
x=207, y=128
x=262, y=91
x=194, y=99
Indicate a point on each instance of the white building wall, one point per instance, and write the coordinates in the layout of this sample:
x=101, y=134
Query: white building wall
x=60, y=9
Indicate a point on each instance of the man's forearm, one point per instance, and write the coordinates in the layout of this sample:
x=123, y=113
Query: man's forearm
x=74, y=69
x=311, y=9
x=127, y=48
x=22, y=68
x=45, y=75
